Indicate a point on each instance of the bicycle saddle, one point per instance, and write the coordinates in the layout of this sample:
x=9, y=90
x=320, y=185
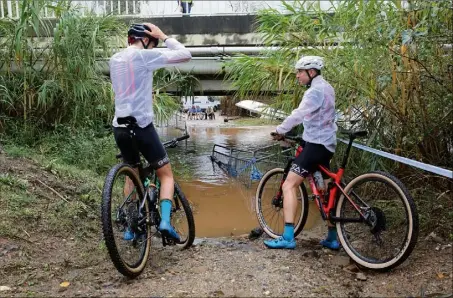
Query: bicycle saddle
x=129, y=120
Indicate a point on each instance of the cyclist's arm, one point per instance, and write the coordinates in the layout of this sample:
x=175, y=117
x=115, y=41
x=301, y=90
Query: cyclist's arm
x=311, y=102
x=158, y=58
x=176, y=52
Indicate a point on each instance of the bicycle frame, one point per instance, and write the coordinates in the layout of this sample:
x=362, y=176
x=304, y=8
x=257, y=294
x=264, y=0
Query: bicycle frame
x=151, y=197
x=335, y=186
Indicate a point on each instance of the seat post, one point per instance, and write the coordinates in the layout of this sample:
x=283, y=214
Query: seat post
x=346, y=155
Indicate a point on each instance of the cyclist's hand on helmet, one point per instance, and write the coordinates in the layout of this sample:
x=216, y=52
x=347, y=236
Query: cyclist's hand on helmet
x=155, y=31
x=276, y=136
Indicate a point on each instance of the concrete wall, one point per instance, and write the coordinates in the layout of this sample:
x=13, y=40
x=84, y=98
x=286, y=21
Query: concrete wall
x=198, y=30
x=183, y=25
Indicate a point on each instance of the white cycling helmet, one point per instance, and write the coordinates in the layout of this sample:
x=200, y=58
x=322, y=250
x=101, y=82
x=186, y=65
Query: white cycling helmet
x=309, y=62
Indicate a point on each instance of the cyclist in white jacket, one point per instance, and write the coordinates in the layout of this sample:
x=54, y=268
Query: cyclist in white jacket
x=317, y=114
x=131, y=72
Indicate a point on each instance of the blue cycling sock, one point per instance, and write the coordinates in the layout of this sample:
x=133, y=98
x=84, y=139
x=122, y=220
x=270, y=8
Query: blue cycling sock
x=165, y=209
x=288, y=232
x=332, y=234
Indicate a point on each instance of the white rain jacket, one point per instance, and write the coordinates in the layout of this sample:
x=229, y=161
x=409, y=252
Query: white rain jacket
x=317, y=113
x=131, y=72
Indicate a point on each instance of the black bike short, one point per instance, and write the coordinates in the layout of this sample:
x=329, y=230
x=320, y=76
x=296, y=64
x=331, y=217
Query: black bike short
x=308, y=160
x=147, y=142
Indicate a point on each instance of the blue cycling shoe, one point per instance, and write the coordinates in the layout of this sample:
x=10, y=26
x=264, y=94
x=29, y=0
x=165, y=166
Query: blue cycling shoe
x=280, y=243
x=166, y=229
x=334, y=244
x=128, y=234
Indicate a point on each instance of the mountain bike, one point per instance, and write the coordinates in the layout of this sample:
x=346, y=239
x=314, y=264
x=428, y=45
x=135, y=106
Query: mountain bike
x=375, y=216
x=138, y=210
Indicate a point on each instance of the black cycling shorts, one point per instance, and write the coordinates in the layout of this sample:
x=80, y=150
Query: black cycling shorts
x=147, y=142
x=308, y=160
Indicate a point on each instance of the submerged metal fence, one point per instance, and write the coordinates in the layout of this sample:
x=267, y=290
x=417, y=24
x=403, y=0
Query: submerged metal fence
x=249, y=165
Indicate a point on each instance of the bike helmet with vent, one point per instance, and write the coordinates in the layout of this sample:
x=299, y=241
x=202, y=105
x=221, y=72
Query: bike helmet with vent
x=309, y=62
x=137, y=32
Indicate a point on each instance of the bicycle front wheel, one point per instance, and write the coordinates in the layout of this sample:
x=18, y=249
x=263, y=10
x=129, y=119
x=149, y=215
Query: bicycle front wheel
x=127, y=233
x=389, y=231
x=269, y=206
x=182, y=219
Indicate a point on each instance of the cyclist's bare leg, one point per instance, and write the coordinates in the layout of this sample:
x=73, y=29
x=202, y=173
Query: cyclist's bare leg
x=129, y=187
x=289, y=188
x=167, y=182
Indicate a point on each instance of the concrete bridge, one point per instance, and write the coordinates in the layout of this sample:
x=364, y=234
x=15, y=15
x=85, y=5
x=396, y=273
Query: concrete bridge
x=213, y=32
x=211, y=39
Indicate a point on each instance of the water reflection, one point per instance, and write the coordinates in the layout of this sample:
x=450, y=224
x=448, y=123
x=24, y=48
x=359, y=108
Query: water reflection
x=223, y=206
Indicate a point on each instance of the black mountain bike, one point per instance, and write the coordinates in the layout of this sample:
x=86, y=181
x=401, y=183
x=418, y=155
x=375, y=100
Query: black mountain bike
x=138, y=210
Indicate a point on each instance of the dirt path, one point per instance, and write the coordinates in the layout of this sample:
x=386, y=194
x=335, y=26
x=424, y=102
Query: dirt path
x=216, y=267
x=50, y=233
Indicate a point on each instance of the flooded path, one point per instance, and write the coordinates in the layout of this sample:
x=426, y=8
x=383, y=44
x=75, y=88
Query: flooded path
x=223, y=206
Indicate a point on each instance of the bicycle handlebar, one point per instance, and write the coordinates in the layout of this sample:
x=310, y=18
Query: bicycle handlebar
x=174, y=142
x=297, y=139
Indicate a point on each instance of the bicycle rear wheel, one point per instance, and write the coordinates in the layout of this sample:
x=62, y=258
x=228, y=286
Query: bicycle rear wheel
x=390, y=231
x=269, y=207
x=182, y=219
x=121, y=211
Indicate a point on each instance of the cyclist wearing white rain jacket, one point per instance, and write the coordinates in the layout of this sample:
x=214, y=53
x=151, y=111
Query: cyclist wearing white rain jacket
x=317, y=113
x=131, y=72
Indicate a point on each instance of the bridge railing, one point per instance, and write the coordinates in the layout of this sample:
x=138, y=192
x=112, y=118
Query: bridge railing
x=149, y=8
x=146, y=8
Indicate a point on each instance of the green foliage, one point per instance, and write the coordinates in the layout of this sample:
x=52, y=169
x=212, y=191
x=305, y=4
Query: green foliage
x=58, y=81
x=48, y=82
x=391, y=72
x=387, y=64
x=9, y=180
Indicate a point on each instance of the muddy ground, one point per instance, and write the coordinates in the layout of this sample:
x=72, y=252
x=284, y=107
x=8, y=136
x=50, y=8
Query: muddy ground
x=216, y=267
x=37, y=258
x=51, y=245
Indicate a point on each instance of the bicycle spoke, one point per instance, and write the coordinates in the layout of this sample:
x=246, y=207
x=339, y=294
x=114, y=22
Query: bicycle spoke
x=270, y=210
x=384, y=236
x=130, y=250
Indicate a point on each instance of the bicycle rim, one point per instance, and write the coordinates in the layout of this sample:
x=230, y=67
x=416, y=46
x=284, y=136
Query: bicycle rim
x=391, y=234
x=121, y=211
x=270, y=216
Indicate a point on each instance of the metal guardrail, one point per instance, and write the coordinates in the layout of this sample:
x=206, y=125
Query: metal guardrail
x=146, y=8
x=420, y=165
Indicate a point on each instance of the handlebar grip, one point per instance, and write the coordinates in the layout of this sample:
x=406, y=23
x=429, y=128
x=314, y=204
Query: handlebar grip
x=184, y=137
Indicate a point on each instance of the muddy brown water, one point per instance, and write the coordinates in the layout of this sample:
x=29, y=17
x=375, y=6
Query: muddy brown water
x=223, y=206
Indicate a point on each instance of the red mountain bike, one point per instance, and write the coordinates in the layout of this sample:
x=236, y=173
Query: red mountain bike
x=375, y=216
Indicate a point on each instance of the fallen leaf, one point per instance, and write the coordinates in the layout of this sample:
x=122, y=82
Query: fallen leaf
x=440, y=275
x=4, y=288
x=65, y=284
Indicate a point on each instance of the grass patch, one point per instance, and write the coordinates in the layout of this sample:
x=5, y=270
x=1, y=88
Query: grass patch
x=55, y=185
x=254, y=122
x=42, y=195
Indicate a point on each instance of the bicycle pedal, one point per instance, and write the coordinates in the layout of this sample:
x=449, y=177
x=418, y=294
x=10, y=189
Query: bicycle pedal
x=171, y=242
x=168, y=241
